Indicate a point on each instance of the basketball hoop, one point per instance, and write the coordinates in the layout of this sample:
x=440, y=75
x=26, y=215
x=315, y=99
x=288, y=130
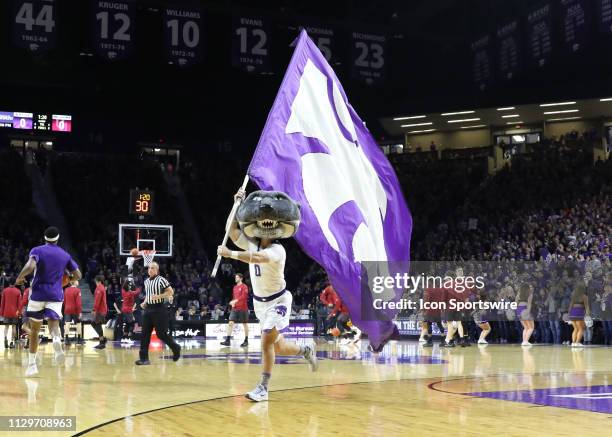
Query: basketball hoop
x=147, y=256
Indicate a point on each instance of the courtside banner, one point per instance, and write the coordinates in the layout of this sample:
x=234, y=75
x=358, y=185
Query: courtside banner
x=296, y=328
x=315, y=148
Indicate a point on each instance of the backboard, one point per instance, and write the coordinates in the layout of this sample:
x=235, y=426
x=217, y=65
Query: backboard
x=145, y=237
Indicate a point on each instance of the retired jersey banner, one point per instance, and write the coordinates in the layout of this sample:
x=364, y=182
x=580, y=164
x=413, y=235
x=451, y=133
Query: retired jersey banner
x=314, y=139
x=113, y=26
x=575, y=24
x=183, y=34
x=539, y=35
x=251, y=44
x=508, y=50
x=368, y=60
x=604, y=15
x=482, y=65
x=324, y=38
x=34, y=24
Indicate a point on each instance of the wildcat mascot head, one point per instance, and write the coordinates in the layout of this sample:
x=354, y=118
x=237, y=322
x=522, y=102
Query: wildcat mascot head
x=268, y=214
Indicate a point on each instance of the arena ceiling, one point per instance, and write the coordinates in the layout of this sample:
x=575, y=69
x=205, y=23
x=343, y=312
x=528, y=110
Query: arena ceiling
x=498, y=117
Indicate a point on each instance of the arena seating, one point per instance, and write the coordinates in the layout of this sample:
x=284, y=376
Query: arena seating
x=20, y=227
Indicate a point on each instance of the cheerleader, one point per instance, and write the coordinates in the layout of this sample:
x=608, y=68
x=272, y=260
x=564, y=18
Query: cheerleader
x=578, y=309
x=524, y=298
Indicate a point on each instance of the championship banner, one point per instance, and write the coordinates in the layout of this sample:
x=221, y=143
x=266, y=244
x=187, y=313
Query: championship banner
x=251, y=44
x=604, y=15
x=34, y=24
x=508, y=50
x=113, y=27
x=368, y=62
x=482, y=68
x=575, y=24
x=313, y=138
x=539, y=35
x=182, y=34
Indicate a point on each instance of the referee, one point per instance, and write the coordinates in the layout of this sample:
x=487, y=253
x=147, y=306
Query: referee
x=157, y=288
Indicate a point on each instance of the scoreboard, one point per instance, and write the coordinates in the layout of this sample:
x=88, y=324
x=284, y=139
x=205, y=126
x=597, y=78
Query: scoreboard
x=36, y=121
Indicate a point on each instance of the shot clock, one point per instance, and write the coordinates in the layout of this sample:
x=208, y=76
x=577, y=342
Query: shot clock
x=142, y=202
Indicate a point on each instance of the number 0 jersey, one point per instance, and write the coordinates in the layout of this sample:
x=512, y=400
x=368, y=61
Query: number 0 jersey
x=266, y=278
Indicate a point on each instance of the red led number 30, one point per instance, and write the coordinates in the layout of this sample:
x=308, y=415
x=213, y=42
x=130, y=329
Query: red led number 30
x=142, y=206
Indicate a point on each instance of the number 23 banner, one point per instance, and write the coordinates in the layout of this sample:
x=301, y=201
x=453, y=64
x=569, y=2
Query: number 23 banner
x=368, y=56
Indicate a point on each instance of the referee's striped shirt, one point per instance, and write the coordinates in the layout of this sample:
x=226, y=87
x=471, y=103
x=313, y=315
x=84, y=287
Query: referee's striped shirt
x=153, y=288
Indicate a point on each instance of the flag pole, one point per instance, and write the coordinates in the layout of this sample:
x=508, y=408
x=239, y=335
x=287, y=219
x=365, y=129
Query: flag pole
x=228, y=224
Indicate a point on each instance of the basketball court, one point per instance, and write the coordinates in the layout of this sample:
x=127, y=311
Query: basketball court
x=407, y=388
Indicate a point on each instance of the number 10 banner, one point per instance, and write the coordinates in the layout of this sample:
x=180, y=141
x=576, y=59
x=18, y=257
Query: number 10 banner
x=182, y=34
x=368, y=57
x=113, y=24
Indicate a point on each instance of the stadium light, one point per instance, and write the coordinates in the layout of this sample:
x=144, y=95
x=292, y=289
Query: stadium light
x=543, y=105
x=420, y=131
x=514, y=122
x=418, y=124
x=507, y=108
x=563, y=118
x=561, y=112
x=458, y=113
x=473, y=126
x=412, y=117
x=510, y=116
x=607, y=99
x=464, y=120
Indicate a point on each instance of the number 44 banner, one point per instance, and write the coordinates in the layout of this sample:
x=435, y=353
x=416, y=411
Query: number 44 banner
x=34, y=24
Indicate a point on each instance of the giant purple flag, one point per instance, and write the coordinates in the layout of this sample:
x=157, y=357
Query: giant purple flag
x=315, y=148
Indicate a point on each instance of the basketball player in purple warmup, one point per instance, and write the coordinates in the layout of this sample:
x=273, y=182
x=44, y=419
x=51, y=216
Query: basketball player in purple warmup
x=48, y=263
x=271, y=301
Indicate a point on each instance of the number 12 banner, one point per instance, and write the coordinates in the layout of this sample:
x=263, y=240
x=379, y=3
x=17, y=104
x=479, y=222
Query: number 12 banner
x=34, y=24
x=368, y=57
x=113, y=24
x=251, y=44
x=183, y=34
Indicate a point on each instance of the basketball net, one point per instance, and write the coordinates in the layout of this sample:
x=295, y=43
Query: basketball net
x=147, y=256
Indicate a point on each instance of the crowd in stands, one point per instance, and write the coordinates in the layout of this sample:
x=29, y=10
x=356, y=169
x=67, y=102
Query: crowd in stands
x=548, y=207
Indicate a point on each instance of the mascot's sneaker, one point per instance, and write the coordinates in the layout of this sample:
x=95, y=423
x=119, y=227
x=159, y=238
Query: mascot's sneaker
x=311, y=357
x=32, y=370
x=258, y=394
